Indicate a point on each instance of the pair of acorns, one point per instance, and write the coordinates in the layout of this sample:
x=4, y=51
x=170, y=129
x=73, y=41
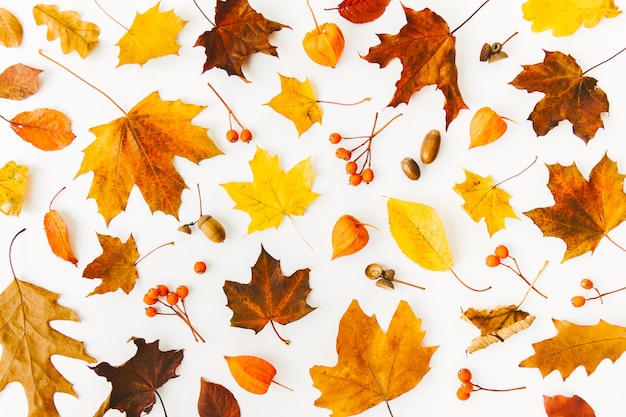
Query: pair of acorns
x=385, y=278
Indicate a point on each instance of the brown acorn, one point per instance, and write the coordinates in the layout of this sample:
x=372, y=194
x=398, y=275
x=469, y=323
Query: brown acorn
x=492, y=53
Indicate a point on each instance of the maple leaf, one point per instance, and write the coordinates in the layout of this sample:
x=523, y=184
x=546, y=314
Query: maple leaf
x=297, y=102
x=216, y=400
x=270, y=296
x=11, y=30
x=74, y=33
x=362, y=11
x=28, y=343
x=47, y=129
x=584, y=211
x=116, y=266
x=139, y=148
x=496, y=325
x=19, y=81
x=273, y=193
x=561, y=406
x=239, y=32
x=570, y=95
x=372, y=366
x=426, y=49
x=13, y=178
x=151, y=35
x=577, y=345
x=484, y=200
x=564, y=17
x=135, y=382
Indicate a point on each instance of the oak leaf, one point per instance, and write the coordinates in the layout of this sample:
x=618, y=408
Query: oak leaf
x=569, y=95
x=576, y=345
x=269, y=297
x=13, y=181
x=116, y=266
x=11, y=30
x=496, y=325
x=273, y=193
x=561, y=406
x=485, y=200
x=349, y=236
x=486, y=127
x=19, y=81
x=297, y=102
x=426, y=48
x=584, y=211
x=151, y=35
x=251, y=373
x=564, y=17
x=47, y=129
x=362, y=11
x=139, y=148
x=216, y=400
x=134, y=383
x=74, y=34
x=239, y=32
x=373, y=366
x=28, y=343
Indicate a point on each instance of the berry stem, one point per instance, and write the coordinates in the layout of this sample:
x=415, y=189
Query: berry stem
x=203, y=14
x=109, y=16
x=230, y=111
x=184, y=317
x=518, y=272
x=152, y=251
x=285, y=341
x=472, y=15
x=53, y=198
x=479, y=388
x=384, y=126
x=467, y=286
x=532, y=285
x=314, y=19
x=600, y=295
x=605, y=61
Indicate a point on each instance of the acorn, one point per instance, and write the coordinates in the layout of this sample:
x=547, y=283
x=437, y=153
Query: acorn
x=385, y=283
x=373, y=271
x=430, y=146
x=212, y=228
x=410, y=168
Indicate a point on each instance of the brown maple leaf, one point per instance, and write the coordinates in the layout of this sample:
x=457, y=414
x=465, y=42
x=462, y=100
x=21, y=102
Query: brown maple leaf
x=570, y=95
x=426, y=48
x=496, y=325
x=116, y=266
x=269, y=297
x=584, y=211
x=239, y=32
x=135, y=382
x=561, y=406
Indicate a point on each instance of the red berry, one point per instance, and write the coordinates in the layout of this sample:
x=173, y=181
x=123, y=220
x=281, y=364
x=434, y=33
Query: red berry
x=578, y=301
x=343, y=153
x=467, y=386
x=367, y=175
x=232, y=135
x=153, y=293
x=199, y=267
x=502, y=251
x=334, y=138
x=462, y=395
x=182, y=291
x=172, y=298
x=586, y=283
x=149, y=300
x=246, y=135
x=492, y=261
x=351, y=167
x=151, y=311
x=355, y=179
x=464, y=375
x=162, y=290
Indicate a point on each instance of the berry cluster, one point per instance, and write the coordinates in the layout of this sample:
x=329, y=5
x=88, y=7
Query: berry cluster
x=231, y=134
x=173, y=300
x=467, y=386
x=587, y=284
x=499, y=255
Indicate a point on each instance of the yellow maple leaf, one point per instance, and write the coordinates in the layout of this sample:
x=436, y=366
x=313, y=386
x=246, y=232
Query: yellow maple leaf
x=74, y=33
x=564, y=17
x=298, y=103
x=273, y=193
x=483, y=199
x=151, y=35
x=12, y=187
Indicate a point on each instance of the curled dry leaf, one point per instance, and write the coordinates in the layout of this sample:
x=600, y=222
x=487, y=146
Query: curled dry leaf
x=58, y=238
x=565, y=17
x=216, y=400
x=251, y=373
x=19, y=81
x=13, y=178
x=47, y=129
x=486, y=127
x=10, y=29
x=362, y=11
x=349, y=236
x=561, y=406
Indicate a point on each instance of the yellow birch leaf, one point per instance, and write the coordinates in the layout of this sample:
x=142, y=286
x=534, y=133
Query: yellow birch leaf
x=74, y=33
x=10, y=29
x=298, y=103
x=486, y=127
x=151, y=35
x=12, y=187
x=564, y=17
x=484, y=200
x=418, y=231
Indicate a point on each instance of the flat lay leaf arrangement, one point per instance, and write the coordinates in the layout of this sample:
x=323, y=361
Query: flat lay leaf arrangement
x=481, y=173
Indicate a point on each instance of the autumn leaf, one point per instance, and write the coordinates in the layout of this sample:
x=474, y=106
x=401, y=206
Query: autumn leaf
x=577, y=345
x=584, y=211
x=239, y=32
x=561, y=406
x=569, y=95
x=47, y=129
x=270, y=296
x=251, y=373
x=362, y=11
x=564, y=17
x=74, y=33
x=373, y=366
x=28, y=343
x=297, y=102
x=349, y=236
x=13, y=179
x=134, y=383
x=216, y=400
x=116, y=266
x=486, y=127
x=496, y=325
x=485, y=200
x=19, y=81
x=10, y=29
x=426, y=49
x=139, y=148
x=273, y=193
x=58, y=238
x=151, y=35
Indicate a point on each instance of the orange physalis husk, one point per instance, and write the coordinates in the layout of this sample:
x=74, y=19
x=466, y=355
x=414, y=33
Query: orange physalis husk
x=324, y=44
x=486, y=127
x=58, y=238
x=253, y=374
x=349, y=236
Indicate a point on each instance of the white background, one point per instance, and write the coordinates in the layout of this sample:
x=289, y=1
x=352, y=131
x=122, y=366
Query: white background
x=109, y=320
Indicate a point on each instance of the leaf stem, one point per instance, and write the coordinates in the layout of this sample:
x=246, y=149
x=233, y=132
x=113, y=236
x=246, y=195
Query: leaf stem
x=388, y=407
x=149, y=253
x=344, y=104
x=299, y=232
x=605, y=61
x=53, y=198
x=161, y=401
x=109, y=16
x=615, y=243
x=408, y=283
x=518, y=272
x=285, y=341
x=467, y=286
x=509, y=38
x=11, y=249
x=518, y=174
x=314, y=19
x=472, y=15
x=202, y=13
x=230, y=111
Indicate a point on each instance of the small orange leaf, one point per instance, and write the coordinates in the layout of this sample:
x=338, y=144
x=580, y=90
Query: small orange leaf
x=251, y=373
x=58, y=238
x=47, y=129
x=486, y=127
x=349, y=236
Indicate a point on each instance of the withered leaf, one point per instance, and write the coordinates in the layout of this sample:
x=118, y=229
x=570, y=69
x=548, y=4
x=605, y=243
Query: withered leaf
x=561, y=406
x=216, y=400
x=496, y=325
x=47, y=129
x=362, y=11
x=116, y=266
x=135, y=382
x=19, y=81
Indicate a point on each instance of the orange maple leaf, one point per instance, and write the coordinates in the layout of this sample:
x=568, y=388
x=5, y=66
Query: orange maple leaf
x=426, y=48
x=570, y=95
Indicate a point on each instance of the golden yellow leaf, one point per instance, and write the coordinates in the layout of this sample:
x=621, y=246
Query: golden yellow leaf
x=372, y=366
x=13, y=179
x=496, y=325
x=486, y=127
x=564, y=17
x=418, y=231
x=10, y=29
x=577, y=345
x=273, y=193
x=298, y=103
x=28, y=343
x=151, y=35
x=74, y=33
x=484, y=200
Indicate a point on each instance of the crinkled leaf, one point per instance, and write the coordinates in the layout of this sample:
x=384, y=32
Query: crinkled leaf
x=47, y=129
x=116, y=266
x=496, y=325
x=11, y=30
x=13, y=178
x=297, y=102
x=565, y=17
x=19, y=81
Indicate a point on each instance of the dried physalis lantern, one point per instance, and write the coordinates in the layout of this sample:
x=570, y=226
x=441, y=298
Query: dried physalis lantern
x=492, y=53
x=324, y=44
